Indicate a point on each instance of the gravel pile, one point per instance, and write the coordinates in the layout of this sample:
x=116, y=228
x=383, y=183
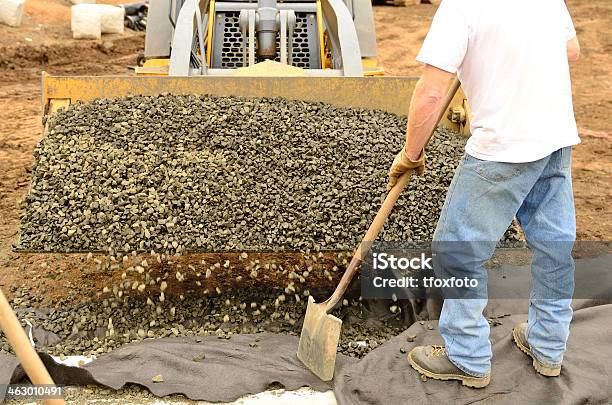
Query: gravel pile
x=173, y=173
x=140, y=296
x=94, y=327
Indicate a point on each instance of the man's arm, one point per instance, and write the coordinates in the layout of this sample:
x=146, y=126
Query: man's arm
x=424, y=109
x=444, y=46
x=573, y=49
x=425, y=106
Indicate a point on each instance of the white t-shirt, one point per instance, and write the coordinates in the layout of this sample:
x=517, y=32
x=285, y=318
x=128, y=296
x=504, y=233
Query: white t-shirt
x=511, y=58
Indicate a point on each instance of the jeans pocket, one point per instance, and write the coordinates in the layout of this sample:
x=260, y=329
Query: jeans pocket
x=493, y=172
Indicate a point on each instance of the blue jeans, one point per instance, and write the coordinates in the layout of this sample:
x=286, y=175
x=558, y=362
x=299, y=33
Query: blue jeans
x=482, y=200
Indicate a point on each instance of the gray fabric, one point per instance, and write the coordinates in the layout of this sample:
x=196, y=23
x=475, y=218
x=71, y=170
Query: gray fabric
x=8, y=367
x=232, y=368
x=385, y=377
x=11, y=372
x=229, y=369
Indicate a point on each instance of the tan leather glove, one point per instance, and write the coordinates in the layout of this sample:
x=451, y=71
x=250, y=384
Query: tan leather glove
x=402, y=164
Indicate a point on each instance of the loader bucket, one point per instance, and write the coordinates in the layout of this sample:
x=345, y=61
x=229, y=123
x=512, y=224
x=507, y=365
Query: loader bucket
x=391, y=94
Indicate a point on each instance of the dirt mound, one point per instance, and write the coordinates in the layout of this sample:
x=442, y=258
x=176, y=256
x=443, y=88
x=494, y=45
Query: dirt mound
x=70, y=56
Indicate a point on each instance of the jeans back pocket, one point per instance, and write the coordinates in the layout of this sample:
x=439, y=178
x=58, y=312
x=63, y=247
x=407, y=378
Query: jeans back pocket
x=493, y=172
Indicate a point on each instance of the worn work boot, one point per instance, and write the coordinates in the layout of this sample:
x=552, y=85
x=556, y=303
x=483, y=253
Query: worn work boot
x=519, y=333
x=432, y=362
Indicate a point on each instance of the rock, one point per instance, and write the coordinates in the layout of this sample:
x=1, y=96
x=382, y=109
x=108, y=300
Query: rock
x=199, y=357
x=11, y=12
x=157, y=379
x=85, y=23
x=111, y=17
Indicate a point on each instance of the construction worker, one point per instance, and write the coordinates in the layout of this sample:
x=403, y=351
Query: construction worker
x=512, y=60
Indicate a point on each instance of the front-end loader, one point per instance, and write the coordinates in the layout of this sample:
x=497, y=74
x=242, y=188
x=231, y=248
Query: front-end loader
x=313, y=50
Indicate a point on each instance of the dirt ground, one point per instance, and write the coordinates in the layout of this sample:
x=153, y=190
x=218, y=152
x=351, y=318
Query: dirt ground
x=43, y=43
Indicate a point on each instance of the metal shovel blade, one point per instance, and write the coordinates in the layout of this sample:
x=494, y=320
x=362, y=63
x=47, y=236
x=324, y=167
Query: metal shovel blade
x=319, y=340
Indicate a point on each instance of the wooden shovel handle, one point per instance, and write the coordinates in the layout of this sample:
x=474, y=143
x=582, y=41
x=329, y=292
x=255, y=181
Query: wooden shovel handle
x=369, y=238
x=33, y=366
x=383, y=213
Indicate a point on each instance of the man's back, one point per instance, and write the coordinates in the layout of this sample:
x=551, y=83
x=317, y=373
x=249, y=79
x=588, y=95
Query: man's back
x=511, y=58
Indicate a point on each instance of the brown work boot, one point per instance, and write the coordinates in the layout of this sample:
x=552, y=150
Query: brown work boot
x=432, y=362
x=519, y=333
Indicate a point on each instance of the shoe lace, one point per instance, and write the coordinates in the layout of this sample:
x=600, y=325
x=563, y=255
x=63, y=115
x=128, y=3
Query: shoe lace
x=438, y=351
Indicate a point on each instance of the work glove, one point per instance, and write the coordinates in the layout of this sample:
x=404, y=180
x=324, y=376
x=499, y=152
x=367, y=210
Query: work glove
x=401, y=164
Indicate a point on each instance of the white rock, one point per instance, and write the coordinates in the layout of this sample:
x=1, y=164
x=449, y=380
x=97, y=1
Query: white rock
x=85, y=24
x=11, y=12
x=111, y=17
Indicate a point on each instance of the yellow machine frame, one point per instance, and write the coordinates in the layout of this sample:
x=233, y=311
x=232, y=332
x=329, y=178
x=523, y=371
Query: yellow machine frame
x=391, y=94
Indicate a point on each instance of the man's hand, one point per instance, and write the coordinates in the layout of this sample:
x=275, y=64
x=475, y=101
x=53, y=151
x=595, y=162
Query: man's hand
x=401, y=164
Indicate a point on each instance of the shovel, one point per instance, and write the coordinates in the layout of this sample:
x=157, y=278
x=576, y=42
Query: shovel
x=321, y=331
